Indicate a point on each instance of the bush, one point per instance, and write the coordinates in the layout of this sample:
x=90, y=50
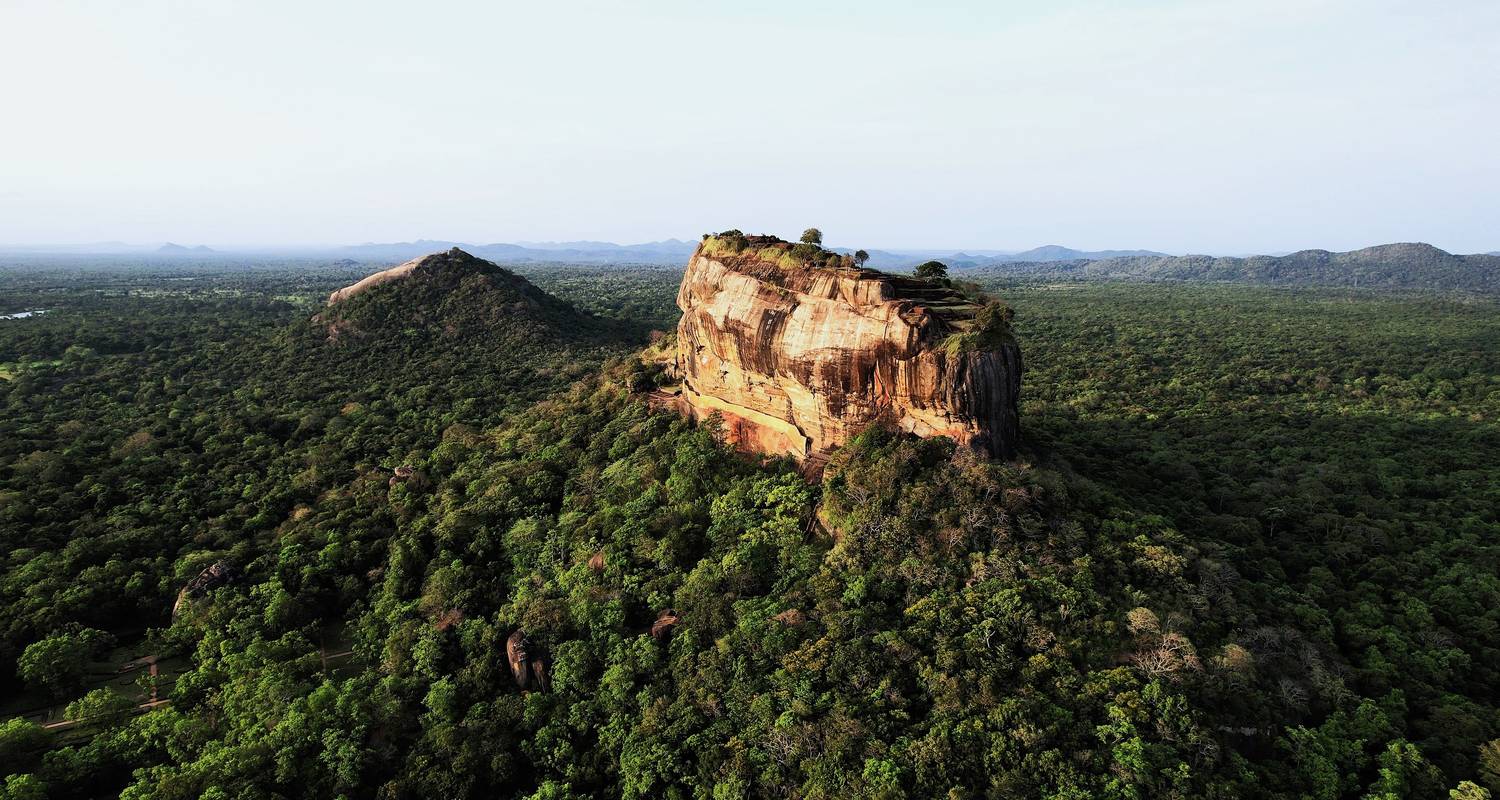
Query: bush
x=100, y=707
x=59, y=662
x=932, y=270
x=21, y=740
x=991, y=331
x=806, y=251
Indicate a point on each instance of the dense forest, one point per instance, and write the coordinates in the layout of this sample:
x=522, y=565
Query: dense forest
x=1408, y=266
x=1250, y=551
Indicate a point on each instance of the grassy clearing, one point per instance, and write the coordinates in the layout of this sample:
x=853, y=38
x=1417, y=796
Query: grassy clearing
x=10, y=369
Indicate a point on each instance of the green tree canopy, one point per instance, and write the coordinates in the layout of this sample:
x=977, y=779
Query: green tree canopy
x=104, y=706
x=932, y=270
x=59, y=662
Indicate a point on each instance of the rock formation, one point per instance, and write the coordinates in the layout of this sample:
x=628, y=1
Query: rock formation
x=451, y=295
x=212, y=577
x=527, y=666
x=665, y=622
x=519, y=659
x=396, y=273
x=799, y=350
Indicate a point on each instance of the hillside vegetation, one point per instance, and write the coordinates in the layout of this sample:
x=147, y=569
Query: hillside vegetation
x=1392, y=266
x=1251, y=552
x=146, y=436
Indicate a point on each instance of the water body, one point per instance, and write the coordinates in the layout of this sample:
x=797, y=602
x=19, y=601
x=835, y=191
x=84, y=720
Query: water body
x=24, y=314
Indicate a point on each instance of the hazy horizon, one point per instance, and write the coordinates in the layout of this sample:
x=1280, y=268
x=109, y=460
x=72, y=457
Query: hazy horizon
x=1172, y=126
x=115, y=247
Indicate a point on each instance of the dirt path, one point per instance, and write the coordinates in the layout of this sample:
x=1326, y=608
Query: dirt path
x=149, y=662
x=140, y=709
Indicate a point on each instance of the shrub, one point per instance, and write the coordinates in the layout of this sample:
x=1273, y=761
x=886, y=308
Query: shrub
x=991, y=331
x=932, y=270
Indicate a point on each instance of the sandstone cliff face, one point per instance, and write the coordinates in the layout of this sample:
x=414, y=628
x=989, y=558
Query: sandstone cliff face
x=799, y=358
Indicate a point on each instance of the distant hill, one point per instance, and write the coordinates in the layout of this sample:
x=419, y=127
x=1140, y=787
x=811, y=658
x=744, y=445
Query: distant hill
x=961, y=259
x=1391, y=266
x=452, y=295
x=1055, y=252
x=170, y=249
x=670, y=251
x=885, y=259
x=677, y=251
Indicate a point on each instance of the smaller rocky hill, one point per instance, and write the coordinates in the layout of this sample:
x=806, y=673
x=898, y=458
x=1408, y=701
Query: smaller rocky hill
x=466, y=338
x=451, y=294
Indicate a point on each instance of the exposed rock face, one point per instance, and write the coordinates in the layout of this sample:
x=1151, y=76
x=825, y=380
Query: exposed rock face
x=395, y=273
x=212, y=577
x=529, y=667
x=799, y=351
x=520, y=660
x=665, y=622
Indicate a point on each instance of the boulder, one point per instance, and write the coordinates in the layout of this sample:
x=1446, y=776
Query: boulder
x=520, y=660
x=665, y=622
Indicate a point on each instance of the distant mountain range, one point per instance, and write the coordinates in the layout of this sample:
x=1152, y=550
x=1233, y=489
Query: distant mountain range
x=1408, y=265
x=962, y=259
x=1391, y=266
x=676, y=251
x=1055, y=252
x=670, y=251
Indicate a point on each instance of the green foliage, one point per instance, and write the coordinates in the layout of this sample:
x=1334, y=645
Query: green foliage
x=812, y=236
x=1469, y=790
x=992, y=328
x=773, y=251
x=1409, y=266
x=931, y=270
x=23, y=787
x=1489, y=763
x=21, y=743
x=58, y=663
x=1249, y=554
x=100, y=706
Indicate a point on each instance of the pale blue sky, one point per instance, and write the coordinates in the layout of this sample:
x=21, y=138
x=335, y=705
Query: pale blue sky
x=1199, y=126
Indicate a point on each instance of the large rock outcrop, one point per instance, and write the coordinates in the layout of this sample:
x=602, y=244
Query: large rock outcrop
x=448, y=296
x=799, y=350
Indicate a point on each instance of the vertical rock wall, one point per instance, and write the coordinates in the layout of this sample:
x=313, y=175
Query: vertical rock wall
x=799, y=360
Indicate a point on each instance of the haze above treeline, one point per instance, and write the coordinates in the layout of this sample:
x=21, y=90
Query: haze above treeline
x=665, y=251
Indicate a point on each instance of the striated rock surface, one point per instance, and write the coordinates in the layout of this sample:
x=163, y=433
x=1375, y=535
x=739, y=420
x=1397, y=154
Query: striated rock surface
x=519, y=659
x=396, y=273
x=799, y=351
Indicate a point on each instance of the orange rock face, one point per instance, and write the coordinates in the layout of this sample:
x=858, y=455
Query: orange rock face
x=799, y=359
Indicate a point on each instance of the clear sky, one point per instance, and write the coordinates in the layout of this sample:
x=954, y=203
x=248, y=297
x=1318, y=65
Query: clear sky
x=1202, y=126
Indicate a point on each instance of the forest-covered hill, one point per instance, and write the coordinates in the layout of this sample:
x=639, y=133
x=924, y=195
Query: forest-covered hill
x=1250, y=552
x=451, y=295
x=1391, y=266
